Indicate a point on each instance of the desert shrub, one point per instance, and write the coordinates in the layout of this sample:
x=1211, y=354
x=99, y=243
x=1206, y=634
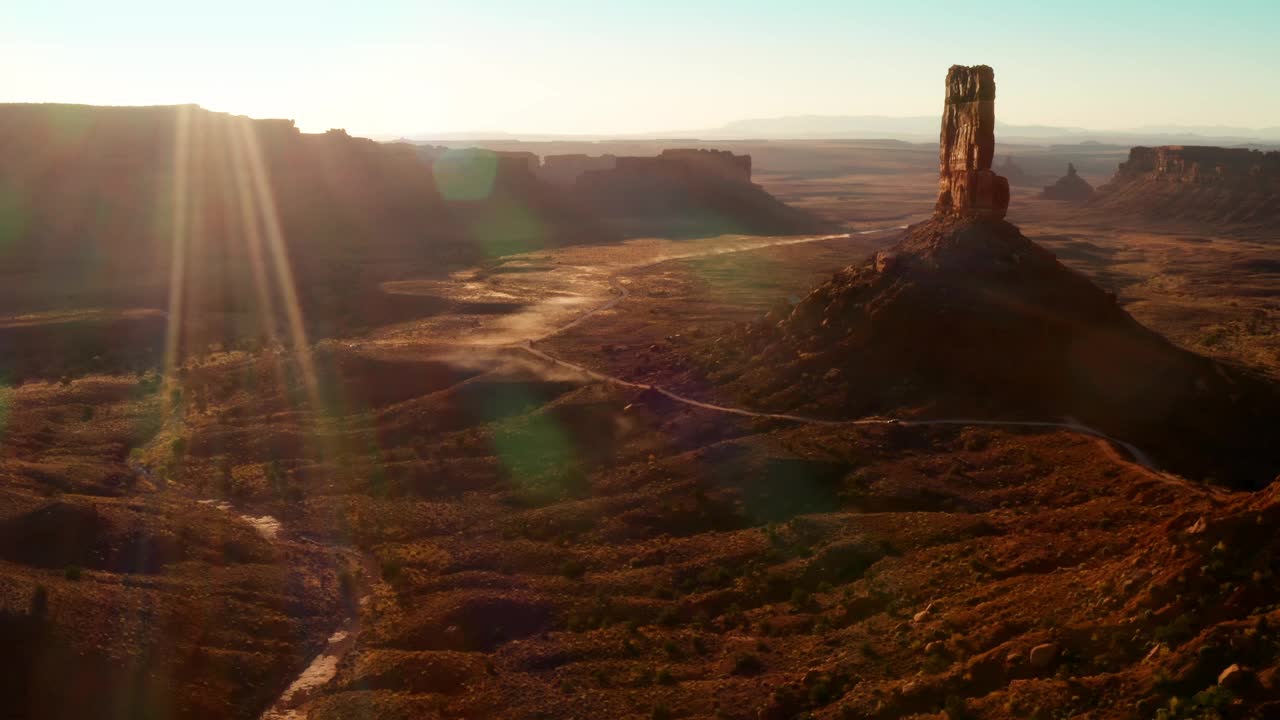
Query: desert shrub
x=661, y=712
x=936, y=663
x=39, y=606
x=573, y=569
x=1176, y=632
x=72, y=573
x=664, y=677
x=347, y=586
x=391, y=569
x=821, y=692
x=955, y=708
x=1215, y=697
x=663, y=592
x=714, y=577
x=747, y=664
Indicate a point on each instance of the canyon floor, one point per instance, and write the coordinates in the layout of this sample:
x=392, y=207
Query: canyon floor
x=523, y=505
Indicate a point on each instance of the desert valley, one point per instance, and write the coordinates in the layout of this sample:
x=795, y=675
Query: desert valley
x=311, y=426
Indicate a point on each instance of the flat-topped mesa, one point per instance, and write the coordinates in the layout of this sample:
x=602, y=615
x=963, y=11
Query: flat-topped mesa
x=1203, y=165
x=967, y=186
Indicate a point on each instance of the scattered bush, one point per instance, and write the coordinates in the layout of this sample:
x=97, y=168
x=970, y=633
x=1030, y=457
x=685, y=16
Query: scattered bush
x=573, y=569
x=955, y=708
x=347, y=586
x=39, y=606
x=747, y=664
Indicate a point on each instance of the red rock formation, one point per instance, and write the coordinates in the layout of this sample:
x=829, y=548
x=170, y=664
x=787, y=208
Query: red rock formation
x=689, y=192
x=1203, y=164
x=704, y=166
x=967, y=185
x=1070, y=187
x=1199, y=183
x=721, y=164
x=967, y=316
x=566, y=169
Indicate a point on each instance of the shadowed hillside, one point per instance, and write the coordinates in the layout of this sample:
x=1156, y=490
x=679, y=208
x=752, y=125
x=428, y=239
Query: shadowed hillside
x=246, y=232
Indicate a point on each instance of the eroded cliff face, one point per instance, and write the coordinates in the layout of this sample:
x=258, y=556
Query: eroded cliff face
x=566, y=169
x=688, y=191
x=1202, y=164
x=1234, y=186
x=968, y=187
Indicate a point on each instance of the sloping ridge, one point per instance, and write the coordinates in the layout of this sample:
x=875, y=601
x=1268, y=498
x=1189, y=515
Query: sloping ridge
x=966, y=316
x=970, y=316
x=1206, y=184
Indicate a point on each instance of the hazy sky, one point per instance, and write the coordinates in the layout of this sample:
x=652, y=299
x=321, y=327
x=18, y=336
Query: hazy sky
x=607, y=66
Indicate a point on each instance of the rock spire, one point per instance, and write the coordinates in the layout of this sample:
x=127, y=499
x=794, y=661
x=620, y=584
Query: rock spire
x=968, y=187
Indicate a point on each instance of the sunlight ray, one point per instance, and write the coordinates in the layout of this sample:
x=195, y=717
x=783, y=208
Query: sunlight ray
x=280, y=261
x=247, y=202
x=178, y=238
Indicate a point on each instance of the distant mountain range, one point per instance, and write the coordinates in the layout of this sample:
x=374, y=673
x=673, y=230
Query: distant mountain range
x=911, y=129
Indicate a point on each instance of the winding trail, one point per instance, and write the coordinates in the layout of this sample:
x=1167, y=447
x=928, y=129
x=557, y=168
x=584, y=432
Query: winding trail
x=1119, y=450
x=292, y=703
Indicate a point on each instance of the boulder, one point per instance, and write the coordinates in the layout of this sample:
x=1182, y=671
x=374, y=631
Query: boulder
x=923, y=614
x=1043, y=655
x=1235, y=677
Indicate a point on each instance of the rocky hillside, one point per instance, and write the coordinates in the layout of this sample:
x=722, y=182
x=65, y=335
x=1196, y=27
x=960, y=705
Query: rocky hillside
x=967, y=317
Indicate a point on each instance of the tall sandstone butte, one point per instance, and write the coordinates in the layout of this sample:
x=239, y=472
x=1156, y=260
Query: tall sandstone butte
x=968, y=187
